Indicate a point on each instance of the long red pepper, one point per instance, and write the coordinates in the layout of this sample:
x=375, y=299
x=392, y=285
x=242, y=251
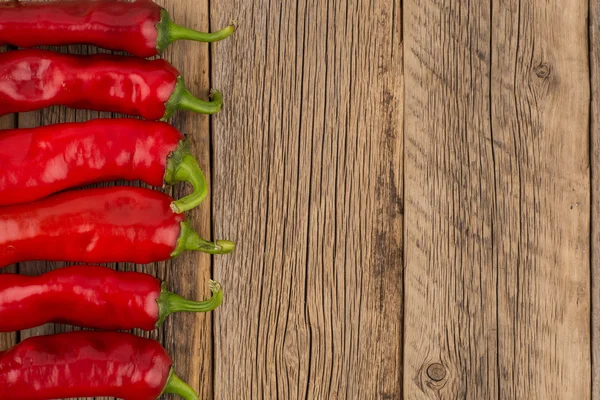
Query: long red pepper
x=92, y=297
x=35, y=163
x=115, y=224
x=89, y=364
x=141, y=28
x=152, y=89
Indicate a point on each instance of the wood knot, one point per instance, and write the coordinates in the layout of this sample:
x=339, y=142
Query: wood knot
x=436, y=372
x=542, y=70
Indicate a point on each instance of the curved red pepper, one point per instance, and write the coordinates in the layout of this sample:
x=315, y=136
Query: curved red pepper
x=141, y=28
x=92, y=297
x=116, y=224
x=38, y=162
x=88, y=364
x=152, y=89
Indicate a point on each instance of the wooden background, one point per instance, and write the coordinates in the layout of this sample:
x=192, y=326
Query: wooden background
x=414, y=189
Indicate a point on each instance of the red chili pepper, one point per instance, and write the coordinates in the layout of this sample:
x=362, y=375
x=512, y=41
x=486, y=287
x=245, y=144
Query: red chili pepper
x=92, y=297
x=152, y=89
x=141, y=28
x=38, y=162
x=89, y=364
x=115, y=224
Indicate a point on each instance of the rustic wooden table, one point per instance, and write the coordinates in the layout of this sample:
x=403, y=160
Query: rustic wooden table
x=413, y=187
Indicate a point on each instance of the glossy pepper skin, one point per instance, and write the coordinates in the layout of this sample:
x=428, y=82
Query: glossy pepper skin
x=115, y=224
x=38, y=162
x=88, y=364
x=141, y=28
x=92, y=297
x=152, y=89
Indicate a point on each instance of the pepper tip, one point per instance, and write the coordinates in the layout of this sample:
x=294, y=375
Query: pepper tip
x=175, y=209
x=214, y=286
x=226, y=246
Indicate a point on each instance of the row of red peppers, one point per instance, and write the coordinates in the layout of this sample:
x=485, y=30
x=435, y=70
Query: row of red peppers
x=43, y=217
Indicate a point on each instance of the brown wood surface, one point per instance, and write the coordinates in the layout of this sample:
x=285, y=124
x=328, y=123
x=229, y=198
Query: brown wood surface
x=188, y=337
x=497, y=185
x=594, y=22
x=307, y=178
x=483, y=284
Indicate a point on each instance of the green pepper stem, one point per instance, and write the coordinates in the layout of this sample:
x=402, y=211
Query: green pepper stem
x=189, y=102
x=168, y=32
x=176, y=386
x=179, y=304
x=188, y=170
x=189, y=240
x=169, y=303
x=182, y=99
x=178, y=32
x=183, y=167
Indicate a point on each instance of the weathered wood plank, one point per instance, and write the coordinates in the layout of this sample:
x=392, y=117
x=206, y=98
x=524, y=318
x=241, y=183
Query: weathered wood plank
x=541, y=115
x=594, y=37
x=188, y=337
x=497, y=200
x=307, y=178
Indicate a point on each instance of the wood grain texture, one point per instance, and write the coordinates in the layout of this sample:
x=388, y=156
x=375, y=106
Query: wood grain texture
x=188, y=337
x=497, y=200
x=594, y=35
x=307, y=179
x=541, y=113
